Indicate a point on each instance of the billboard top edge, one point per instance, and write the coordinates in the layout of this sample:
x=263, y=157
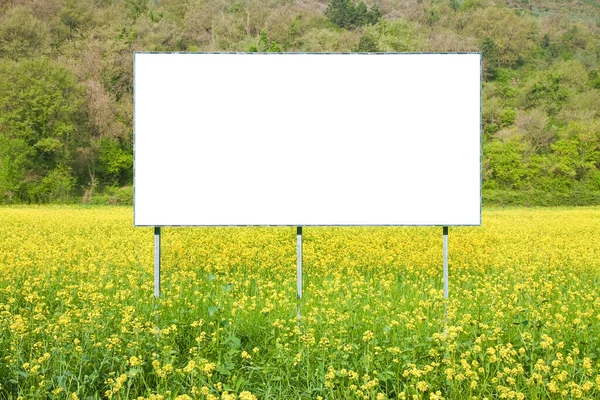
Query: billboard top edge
x=310, y=225
x=303, y=53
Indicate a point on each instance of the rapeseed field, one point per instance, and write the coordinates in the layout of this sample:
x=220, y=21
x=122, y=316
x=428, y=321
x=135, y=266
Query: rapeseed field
x=78, y=318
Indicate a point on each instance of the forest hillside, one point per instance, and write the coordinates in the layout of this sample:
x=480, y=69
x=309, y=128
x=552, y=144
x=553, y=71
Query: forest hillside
x=66, y=106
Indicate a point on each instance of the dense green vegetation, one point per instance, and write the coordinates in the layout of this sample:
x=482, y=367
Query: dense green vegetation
x=66, y=81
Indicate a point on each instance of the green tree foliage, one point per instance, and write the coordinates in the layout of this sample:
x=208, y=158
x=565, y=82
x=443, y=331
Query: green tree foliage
x=66, y=106
x=40, y=126
x=76, y=15
x=547, y=93
x=136, y=7
x=454, y=4
x=21, y=34
x=577, y=152
x=265, y=45
x=504, y=36
x=15, y=162
x=115, y=163
x=345, y=14
x=503, y=165
x=396, y=36
x=490, y=53
x=367, y=44
x=594, y=79
x=56, y=186
x=341, y=13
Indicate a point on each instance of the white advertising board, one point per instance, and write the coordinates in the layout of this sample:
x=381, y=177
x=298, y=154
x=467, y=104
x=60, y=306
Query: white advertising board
x=307, y=139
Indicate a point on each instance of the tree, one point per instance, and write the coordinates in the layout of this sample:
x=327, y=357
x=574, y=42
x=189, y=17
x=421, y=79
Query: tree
x=15, y=160
x=504, y=167
x=512, y=35
x=532, y=125
x=374, y=14
x=41, y=120
x=21, y=34
x=274, y=47
x=367, y=44
x=136, y=7
x=341, y=13
x=263, y=42
x=577, y=152
x=489, y=52
x=547, y=92
x=345, y=14
x=76, y=14
x=115, y=164
x=361, y=15
x=265, y=45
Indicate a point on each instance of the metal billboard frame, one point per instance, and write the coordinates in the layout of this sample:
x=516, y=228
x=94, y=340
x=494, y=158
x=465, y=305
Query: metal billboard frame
x=299, y=271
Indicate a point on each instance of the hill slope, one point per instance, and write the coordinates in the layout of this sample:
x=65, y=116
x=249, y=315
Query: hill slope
x=66, y=82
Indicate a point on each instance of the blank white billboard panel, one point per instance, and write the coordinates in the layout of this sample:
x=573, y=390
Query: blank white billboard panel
x=307, y=139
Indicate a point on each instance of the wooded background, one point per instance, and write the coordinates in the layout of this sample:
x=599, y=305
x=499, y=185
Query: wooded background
x=66, y=72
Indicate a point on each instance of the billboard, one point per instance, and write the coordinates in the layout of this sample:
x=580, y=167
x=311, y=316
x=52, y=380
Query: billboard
x=307, y=139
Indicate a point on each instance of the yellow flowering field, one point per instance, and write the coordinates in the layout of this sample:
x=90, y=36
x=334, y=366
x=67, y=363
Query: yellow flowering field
x=78, y=318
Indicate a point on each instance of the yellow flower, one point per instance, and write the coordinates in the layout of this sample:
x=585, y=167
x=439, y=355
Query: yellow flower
x=189, y=367
x=368, y=336
x=135, y=361
x=208, y=368
x=436, y=396
x=246, y=395
x=546, y=342
x=227, y=396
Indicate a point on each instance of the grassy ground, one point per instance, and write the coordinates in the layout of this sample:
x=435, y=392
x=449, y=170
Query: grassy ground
x=78, y=319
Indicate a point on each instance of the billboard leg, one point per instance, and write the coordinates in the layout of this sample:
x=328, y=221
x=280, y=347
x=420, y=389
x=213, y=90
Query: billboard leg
x=445, y=236
x=445, y=233
x=156, y=261
x=299, y=266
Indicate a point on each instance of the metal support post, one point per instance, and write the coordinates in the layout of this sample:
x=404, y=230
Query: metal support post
x=156, y=261
x=445, y=233
x=299, y=261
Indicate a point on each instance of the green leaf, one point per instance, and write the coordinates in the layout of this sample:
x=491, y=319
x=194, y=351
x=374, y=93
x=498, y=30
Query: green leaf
x=212, y=310
x=222, y=370
x=235, y=341
x=232, y=352
x=23, y=374
x=239, y=383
